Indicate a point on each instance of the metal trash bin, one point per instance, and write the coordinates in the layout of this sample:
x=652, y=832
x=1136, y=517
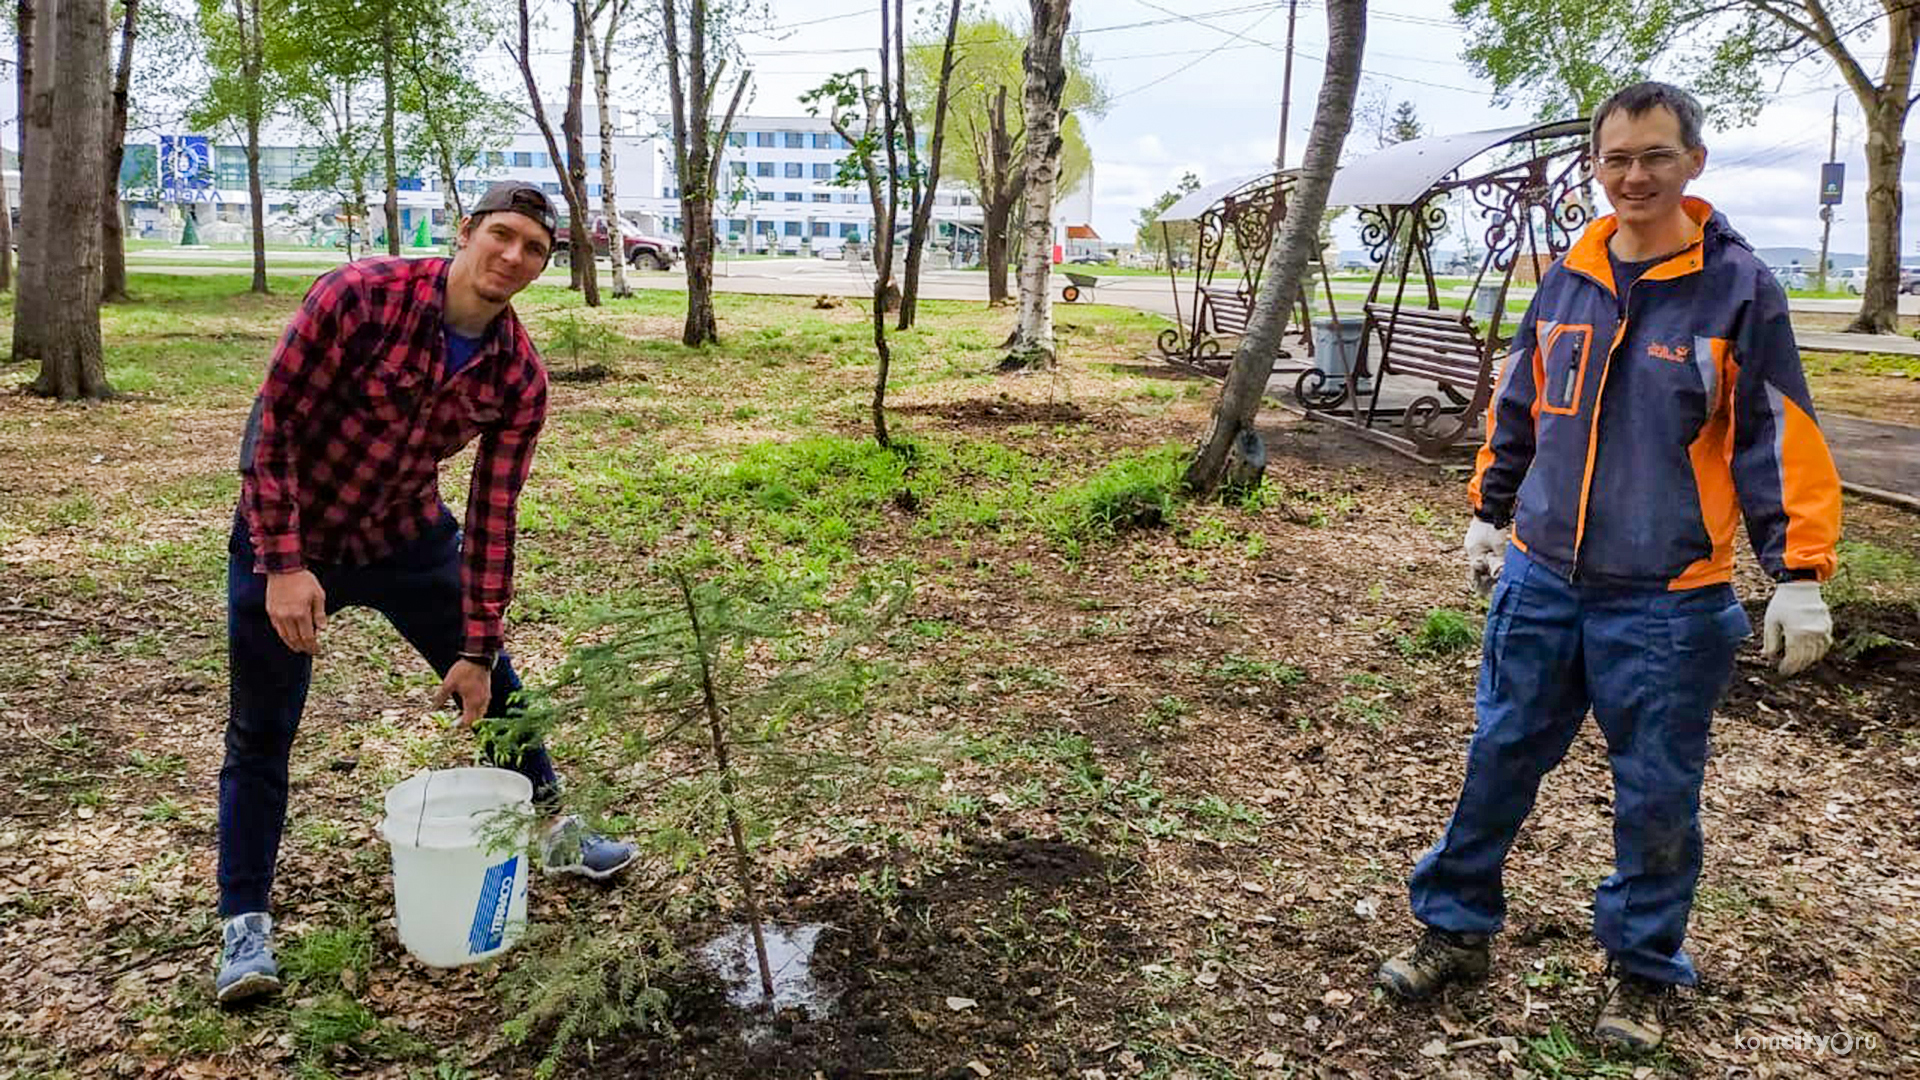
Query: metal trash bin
x=1486, y=301
x=1336, y=351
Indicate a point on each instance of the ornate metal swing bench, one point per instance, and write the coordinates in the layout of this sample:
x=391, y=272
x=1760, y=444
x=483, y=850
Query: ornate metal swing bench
x=1235, y=222
x=1424, y=370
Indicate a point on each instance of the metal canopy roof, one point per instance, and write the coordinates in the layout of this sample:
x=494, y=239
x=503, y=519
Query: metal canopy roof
x=1190, y=206
x=1400, y=174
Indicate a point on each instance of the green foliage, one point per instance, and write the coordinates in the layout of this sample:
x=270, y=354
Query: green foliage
x=1151, y=236
x=987, y=58
x=322, y=955
x=1868, y=571
x=587, y=986
x=571, y=336
x=1240, y=670
x=1597, y=48
x=1134, y=492
x=1446, y=632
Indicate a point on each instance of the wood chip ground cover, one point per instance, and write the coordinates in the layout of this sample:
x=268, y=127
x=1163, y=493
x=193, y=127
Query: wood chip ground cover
x=1152, y=796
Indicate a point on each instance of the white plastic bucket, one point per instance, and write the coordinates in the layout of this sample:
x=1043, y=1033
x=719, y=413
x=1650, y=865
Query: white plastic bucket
x=455, y=901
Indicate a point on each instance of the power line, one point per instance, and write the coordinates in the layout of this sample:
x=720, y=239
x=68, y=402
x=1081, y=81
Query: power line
x=1192, y=63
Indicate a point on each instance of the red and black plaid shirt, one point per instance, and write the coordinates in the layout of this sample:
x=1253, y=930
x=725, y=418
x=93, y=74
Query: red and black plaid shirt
x=341, y=461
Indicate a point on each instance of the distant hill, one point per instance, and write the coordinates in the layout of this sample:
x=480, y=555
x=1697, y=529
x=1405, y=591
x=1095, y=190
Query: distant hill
x=1787, y=256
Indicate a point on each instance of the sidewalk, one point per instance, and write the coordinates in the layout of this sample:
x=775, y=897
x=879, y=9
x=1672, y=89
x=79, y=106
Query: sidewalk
x=1876, y=459
x=1833, y=341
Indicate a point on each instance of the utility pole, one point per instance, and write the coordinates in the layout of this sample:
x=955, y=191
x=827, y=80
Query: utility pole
x=1826, y=209
x=1286, y=87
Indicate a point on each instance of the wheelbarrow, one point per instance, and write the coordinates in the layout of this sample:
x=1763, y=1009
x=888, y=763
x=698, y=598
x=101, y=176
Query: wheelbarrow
x=1077, y=282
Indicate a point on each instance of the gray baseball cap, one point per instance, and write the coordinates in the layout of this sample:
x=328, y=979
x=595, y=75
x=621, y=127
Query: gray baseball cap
x=521, y=198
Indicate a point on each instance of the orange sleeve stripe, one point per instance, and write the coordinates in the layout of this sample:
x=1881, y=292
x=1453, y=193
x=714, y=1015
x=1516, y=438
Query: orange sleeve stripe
x=1809, y=492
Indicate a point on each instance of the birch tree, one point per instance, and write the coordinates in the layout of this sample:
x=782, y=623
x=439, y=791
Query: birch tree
x=691, y=84
x=603, y=26
x=1046, y=71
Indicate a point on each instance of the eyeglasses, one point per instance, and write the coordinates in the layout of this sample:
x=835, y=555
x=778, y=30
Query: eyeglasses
x=1658, y=159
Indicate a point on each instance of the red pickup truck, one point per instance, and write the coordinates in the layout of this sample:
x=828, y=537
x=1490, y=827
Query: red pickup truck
x=642, y=252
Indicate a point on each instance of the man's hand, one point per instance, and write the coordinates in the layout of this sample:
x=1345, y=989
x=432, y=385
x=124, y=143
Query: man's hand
x=472, y=684
x=297, y=607
x=1486, y=548
x=1798, y=627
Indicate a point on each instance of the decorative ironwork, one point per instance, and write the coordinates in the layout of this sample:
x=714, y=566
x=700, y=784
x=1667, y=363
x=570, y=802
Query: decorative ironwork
x=1536, y=203
x=1239, y=227
x=1312, y=392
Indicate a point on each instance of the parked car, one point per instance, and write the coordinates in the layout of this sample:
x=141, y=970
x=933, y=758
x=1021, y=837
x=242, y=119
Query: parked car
x=642, y=252
x=1852, y=279
x=1091, y=258
x=1910, y=280
x=1789, y=277
x=830, y=249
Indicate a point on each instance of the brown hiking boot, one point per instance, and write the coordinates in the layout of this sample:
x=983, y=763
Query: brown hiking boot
x=1438, y=958
x=1630, y=1017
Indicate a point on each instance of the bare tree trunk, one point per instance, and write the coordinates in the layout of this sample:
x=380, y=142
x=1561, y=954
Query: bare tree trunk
x=696, y=162
x=602, y=54
x=1046, y=84
x=1886, y=106
x=249, y=19
x=885, y=213
x=923, y=199
x=1000, y=185
x=1286, y=266
x=575, y=180
x=449, y=198
x=113, y=220
x=387, y=91
x=29, y=297
x=6, y=239
x=72, y=366
x=576, y=208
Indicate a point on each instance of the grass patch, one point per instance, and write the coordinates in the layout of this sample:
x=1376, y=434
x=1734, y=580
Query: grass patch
x=1445, y=633
x=1136, y=491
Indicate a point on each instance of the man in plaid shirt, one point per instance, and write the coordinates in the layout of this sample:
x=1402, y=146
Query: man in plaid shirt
x=390, y=367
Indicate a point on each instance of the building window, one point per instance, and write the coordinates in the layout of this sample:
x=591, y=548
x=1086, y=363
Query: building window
x=763, y=168
x=739, y=168
x=763, y=138
x=495, y=159
x=793, y=228
x=823, y=228
x=550, y=188
x=822, y=170
x=822, y=196
x=736, y=226
x=736, y=138
x=849, y=229
x=764, y=228
x=593, y=190
x=795, y=170
x=794, y=196
x=823, y=140
x=796, y=140
x=522, y=159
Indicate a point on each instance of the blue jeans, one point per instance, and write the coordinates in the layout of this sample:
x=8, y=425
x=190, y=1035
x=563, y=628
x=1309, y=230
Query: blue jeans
x=418, y=590
x=1651, y=664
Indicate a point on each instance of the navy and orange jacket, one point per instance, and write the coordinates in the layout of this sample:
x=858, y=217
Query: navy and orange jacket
x=1627, y=434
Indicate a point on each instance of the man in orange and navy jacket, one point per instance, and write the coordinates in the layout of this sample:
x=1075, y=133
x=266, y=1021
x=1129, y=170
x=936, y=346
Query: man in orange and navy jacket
x=1653, y=396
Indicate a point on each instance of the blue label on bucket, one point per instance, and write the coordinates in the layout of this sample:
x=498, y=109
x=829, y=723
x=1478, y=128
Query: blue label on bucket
x=490, y=914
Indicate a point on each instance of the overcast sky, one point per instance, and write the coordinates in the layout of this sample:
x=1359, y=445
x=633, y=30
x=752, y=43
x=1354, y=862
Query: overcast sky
x=1203, y=92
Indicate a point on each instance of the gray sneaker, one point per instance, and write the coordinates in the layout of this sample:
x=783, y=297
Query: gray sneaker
x=572, y=848
x=247, y=969
x=1438, y=958
x=1631, y=1016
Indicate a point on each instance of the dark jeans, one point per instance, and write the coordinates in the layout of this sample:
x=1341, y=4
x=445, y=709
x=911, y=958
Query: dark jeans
x=418, y=590
x=1650, y=665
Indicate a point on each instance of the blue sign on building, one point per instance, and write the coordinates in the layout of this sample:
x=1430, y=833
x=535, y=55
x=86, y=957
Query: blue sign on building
x=186, y=169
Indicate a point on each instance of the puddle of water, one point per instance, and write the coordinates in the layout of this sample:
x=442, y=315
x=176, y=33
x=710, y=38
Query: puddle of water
x=789, y=954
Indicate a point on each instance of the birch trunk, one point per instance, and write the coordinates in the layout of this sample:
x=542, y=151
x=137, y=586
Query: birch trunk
x=602, y=54
x=1046, y=85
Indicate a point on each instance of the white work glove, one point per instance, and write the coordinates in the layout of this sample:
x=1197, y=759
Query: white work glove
x=1798, y=628
x=1486, y=548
